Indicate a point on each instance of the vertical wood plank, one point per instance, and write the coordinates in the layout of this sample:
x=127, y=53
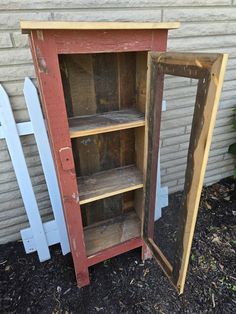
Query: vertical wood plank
x=44, y=52
x=41, y=137
x=140, y=85
x=126, y=63
x=22, y=175
x=105, y=70
x=79, y=88
x=152, y=139
x=206, y=106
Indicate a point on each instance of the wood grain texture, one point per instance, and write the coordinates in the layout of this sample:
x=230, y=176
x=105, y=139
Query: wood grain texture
x=126, y=98
x=209, y=69
x=107, y=183
x=46, y=46
x=105, y=122
x=27, y=26
x=105, y=71
x=115, y=250
x=111, y=232
x=44, y=55
x=140, y=84
x=152, y=138
x=207, y=100
x=73, y=42
x=79, y=91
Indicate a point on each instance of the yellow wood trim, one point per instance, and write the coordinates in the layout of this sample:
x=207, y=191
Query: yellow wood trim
x=199, y=146
x=27, y=26
x=199, y=59
x=112, y=193
x=106, y=129
x=214, y=91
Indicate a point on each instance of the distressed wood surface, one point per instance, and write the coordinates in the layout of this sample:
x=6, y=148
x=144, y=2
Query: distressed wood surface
x=209, y=69
x=126, y=93
x=206, y=106
x=101, y=83
x=46, y=46
x=115, y=250
x=49, y=76
x=152, y=139
x=72, y=42
x=114, y=231
x=110, y=182
x=105, y=71
x=80, y=97
x=27, y=26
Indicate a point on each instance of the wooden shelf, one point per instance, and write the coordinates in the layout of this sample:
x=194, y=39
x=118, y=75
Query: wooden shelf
x=111, y=232
x=105, y=122
x=110, y=182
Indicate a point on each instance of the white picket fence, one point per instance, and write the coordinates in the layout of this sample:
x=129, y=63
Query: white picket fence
x=39, y=236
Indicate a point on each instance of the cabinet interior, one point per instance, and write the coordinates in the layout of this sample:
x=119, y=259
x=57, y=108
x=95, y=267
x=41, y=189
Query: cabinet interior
x=105, y=96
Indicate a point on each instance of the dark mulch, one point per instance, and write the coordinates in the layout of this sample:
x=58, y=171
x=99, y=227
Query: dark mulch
x=124, y=284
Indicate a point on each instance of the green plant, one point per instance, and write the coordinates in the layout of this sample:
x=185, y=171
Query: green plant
x=232, y=147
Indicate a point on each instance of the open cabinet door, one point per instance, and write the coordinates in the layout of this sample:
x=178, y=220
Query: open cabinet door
x=209, y=70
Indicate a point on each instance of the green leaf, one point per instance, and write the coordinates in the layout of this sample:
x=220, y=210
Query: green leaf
x=234, y=288
x=234, y=173
x=234, y=109
x=232, y=149
x=193, y=257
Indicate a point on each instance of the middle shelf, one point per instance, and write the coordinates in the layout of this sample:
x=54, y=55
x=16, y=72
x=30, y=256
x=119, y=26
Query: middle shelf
x=105, y=122
x=108, y=183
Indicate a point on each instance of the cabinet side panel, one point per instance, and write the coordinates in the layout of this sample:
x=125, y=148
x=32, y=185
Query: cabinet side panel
x=47, y=68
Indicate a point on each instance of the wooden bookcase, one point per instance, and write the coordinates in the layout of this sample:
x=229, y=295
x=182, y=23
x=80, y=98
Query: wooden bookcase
x=101, y=89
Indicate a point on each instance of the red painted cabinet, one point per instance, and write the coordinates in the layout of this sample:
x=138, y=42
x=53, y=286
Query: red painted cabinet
x=104, y=130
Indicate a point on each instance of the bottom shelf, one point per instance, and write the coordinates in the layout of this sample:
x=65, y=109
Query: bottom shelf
x=111, y=232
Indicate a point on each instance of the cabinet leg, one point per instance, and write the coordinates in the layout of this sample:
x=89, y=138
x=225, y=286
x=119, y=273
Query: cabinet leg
x=82, y=277
x=146, y=252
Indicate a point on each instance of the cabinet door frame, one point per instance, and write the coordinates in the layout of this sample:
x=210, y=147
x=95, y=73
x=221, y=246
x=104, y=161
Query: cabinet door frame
x=209, y=69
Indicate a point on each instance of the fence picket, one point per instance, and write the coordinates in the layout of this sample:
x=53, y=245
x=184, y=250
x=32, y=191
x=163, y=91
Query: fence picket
x=40, y=133
x=11, y=135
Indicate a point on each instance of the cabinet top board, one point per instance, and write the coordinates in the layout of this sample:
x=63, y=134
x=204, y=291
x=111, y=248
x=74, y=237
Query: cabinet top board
x=27, y=26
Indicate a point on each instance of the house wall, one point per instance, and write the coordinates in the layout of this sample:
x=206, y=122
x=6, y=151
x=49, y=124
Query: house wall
x=207, y=25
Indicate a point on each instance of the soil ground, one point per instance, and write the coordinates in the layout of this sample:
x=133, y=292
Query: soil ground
x=124, y=284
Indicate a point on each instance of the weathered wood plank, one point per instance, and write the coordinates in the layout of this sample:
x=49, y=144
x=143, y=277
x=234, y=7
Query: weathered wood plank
x=79, y=91
x=206, y=106
x=105, y=122
x=58, y=130
x=126, y=96
x=209, y=69
x=109, y=41
x=111, y=232
x=110, y=182
x=105, y=67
